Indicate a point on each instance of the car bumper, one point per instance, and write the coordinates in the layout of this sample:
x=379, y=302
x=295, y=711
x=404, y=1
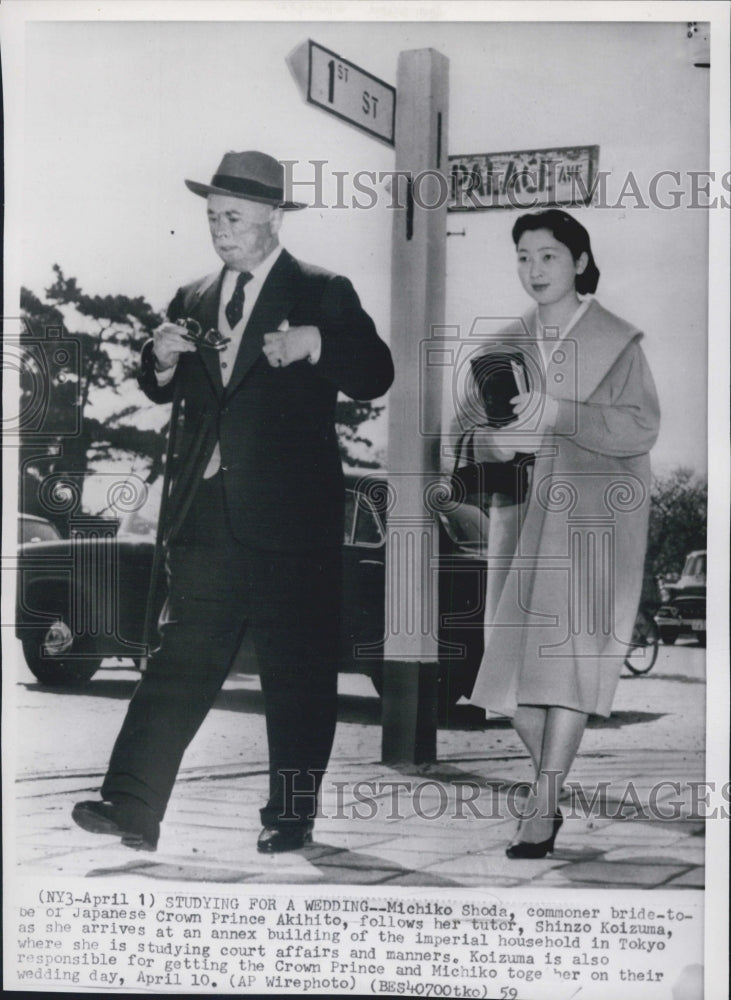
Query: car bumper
x=672, y=620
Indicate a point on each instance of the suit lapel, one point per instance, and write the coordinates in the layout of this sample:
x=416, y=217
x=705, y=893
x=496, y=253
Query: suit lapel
x=273, y=305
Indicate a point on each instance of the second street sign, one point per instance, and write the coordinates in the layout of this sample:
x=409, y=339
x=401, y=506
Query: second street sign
x=342, y=89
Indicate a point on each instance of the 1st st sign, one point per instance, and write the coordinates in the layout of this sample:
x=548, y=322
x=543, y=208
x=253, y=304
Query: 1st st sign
x=343, y=89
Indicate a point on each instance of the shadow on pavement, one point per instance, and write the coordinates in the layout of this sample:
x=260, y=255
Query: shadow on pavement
x=360, y=709
x=324, y=865
x=619, y=719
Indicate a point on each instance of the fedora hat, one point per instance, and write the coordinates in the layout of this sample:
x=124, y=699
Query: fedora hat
x=251, y=175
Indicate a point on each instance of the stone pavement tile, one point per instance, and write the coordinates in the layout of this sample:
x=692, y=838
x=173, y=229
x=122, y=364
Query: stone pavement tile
x=230, y=817
x=358, y=860
x=621, y=873
x=490, y=864
x=627, y=834
x=353, y=876
x=57, y=836
x=693, y=879
x=682, y=852
x=444, y=845
x=354, y=841
x=106, y=854
x=176, y=871
x=406, y=856
x=244, y=865
x=466, y=828
x=474, y=881
x=427, y=880
x=42, y=856
x=574, y=855
x=367, y=827
x=214, y=845
x=203, y=794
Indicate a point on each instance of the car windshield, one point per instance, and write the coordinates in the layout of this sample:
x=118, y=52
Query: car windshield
x=695, y=565
x=32, y=530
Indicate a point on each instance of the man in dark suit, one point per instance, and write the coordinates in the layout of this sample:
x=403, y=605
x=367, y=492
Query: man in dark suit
x=254, y=521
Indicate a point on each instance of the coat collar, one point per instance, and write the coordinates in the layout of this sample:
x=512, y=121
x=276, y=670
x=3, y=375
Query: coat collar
x=589, y=351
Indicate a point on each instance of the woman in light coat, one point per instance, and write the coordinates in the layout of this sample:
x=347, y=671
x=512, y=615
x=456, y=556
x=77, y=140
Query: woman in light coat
x=565, y=566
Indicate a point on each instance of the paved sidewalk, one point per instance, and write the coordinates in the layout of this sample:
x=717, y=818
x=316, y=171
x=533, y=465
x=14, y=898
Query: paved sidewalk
x=440, y=825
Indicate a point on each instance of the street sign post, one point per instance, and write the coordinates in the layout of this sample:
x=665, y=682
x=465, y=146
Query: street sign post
x=418, y=271
x=343, y=89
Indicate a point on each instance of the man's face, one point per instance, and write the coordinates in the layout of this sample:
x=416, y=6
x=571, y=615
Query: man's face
x=243, y=232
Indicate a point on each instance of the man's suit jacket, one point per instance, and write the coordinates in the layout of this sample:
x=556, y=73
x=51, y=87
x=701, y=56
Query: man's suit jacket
x=280, y=460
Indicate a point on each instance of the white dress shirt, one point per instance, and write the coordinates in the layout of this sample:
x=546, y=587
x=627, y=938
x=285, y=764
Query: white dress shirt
x=546, y=346
x=253, y=287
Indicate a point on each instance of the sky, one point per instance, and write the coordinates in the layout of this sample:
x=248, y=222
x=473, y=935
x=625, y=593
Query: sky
x=117, y=115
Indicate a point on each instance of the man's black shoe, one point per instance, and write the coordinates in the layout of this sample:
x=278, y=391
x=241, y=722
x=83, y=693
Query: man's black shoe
x=138, y=831
x=275, y=840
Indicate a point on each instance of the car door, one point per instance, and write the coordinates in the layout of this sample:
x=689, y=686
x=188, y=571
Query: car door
x=363, y=580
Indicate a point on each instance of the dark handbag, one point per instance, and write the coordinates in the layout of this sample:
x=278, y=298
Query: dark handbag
x=499, y=374
x=477, y=482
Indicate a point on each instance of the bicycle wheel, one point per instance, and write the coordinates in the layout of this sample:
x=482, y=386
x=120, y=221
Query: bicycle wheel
x=642, y=653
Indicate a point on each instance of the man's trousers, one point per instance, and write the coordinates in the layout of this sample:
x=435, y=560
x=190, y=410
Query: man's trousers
x=217, y=589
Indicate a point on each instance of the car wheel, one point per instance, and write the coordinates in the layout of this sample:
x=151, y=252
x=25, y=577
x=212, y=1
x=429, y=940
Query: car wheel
x=668, y=636
x=642, y=653
x=701, y=639
x=48, y=657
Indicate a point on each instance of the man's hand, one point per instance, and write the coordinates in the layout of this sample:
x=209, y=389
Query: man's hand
x=168, y=344
x=295, y=344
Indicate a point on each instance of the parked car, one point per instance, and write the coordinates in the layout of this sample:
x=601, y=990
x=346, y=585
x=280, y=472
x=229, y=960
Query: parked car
x=83, y=598
x=32, y=528
x=684, y=612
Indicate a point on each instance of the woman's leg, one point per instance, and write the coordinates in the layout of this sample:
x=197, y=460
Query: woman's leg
x=561, y=739
x=529, y=722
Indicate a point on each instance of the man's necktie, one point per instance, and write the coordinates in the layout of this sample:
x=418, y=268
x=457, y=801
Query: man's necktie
x=235, y=306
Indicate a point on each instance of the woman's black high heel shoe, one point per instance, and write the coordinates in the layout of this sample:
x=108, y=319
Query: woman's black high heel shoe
x=525, y=849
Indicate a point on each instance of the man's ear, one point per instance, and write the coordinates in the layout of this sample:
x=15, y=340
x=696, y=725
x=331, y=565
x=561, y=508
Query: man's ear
x=275, y=220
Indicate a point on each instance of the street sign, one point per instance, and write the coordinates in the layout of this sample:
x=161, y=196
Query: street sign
x=523, y=180
x=345, y=90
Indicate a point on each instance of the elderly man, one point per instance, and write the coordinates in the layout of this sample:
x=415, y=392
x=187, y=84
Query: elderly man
x=254, y=520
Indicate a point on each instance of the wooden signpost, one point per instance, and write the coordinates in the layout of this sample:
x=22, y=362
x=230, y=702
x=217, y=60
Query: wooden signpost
x=416, y=125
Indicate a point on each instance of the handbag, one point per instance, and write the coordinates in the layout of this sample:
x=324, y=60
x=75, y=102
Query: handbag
x=477, y=483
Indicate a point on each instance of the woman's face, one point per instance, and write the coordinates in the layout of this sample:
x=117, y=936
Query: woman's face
x=546, y=267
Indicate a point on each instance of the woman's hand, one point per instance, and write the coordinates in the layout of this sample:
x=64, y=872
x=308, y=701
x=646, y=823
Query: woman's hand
x=491, y=445
x=537, y=402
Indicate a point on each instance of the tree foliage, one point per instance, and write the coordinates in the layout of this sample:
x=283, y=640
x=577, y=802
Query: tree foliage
x=77, y=349
x=678, y=519
x=350, y=416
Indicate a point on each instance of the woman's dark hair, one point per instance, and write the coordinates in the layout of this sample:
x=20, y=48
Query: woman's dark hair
x=568, y=231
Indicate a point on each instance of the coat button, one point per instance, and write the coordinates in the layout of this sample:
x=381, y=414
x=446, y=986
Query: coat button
x=224, y=468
